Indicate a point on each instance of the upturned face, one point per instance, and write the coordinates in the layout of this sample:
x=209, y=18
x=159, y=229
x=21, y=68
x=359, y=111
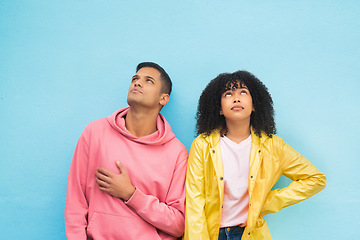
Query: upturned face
x=236, y=104
x=145, y=89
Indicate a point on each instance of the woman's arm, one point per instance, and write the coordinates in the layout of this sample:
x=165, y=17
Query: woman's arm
x=307, y=180
x=195, y=219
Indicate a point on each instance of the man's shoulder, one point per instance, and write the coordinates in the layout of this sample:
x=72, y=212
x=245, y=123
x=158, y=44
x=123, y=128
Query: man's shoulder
x=97, y=125
x=176, y=144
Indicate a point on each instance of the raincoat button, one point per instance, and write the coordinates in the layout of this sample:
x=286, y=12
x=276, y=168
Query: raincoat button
x=251, y=176
x=248, y=233
x=213, y=151
x=259, y=150
x=221, y=178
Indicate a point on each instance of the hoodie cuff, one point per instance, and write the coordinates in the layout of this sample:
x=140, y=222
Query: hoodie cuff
x=136, y=199
x=131, y=196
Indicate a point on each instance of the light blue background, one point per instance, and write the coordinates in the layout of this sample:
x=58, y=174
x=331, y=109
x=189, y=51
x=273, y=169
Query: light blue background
x=66, y=63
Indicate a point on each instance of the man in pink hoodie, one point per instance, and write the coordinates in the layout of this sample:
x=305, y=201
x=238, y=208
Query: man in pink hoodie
x=127, y=176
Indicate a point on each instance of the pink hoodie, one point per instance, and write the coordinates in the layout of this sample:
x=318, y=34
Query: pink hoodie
x=156, y=165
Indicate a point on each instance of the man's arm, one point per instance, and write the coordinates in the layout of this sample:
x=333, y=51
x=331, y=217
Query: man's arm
x=76, y=207
x=117, y=185
x=167, y=216
x=307, y=181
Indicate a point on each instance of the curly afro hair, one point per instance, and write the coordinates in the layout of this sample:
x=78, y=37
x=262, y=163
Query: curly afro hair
x=208, y=114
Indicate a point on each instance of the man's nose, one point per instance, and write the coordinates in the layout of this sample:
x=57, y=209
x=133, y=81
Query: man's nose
x=137, y=83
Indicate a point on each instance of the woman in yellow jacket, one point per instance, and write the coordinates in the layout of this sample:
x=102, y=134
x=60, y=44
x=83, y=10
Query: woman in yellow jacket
x=236, y=160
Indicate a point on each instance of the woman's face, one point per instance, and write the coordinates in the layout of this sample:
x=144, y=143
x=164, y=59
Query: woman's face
x=236, y=104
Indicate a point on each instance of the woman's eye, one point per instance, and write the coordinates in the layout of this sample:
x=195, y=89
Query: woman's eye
x=243, y=92
x=227, y=94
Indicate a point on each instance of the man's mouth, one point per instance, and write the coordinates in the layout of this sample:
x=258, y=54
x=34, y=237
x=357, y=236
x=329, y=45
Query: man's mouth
x=135, y=90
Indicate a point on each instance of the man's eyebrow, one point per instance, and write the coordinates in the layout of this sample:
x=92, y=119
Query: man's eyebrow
x=145, y=76
x=150, y=77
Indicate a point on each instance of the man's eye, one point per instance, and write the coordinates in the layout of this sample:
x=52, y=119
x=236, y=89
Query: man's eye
x=149, y=80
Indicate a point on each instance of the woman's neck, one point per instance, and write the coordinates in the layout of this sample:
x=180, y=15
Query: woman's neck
x=237, y=132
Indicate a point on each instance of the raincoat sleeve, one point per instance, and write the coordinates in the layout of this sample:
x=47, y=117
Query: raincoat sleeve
x=195, y=219
x=167, y=216
x=76, y=207
x=307, y=180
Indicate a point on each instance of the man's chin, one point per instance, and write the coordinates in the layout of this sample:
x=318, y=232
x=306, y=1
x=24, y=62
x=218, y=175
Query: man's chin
x=133, y=102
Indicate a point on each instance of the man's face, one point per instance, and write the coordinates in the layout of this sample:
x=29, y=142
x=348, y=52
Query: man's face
x=145, y=89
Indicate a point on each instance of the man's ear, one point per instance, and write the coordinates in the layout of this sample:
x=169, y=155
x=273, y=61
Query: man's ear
x=164, y=99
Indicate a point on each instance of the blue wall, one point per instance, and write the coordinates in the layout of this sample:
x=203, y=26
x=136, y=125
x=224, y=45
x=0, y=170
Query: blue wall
x=66, y=63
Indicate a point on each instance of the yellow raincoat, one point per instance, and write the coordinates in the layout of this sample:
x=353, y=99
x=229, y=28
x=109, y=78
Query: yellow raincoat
x=269, y=159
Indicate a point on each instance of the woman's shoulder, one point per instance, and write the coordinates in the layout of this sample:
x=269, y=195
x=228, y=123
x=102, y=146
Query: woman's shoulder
x=204, y=138
x=201, y=139
x=270, y=140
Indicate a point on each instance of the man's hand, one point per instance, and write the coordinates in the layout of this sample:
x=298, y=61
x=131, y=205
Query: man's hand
x=117, y=185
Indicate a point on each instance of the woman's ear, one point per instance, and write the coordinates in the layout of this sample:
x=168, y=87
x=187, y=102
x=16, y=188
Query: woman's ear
x=221, y=112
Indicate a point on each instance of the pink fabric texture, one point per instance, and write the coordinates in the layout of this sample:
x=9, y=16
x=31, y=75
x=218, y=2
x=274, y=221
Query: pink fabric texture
x=156, y=165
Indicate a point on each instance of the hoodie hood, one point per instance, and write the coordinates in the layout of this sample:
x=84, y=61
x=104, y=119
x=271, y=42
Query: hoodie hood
x=163, y=134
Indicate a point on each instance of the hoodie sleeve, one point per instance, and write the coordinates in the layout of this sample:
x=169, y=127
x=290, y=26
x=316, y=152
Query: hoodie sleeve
x=76, y=207
x=167, y=216
x=307, y=180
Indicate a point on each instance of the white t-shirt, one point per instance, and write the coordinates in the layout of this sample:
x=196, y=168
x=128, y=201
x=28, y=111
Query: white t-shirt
x=235, y=158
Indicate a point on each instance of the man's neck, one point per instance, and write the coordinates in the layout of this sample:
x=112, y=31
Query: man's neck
x=140, y=122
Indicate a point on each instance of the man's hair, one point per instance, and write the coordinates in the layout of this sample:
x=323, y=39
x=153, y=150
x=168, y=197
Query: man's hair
x=208, y=114
x=166, y=81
